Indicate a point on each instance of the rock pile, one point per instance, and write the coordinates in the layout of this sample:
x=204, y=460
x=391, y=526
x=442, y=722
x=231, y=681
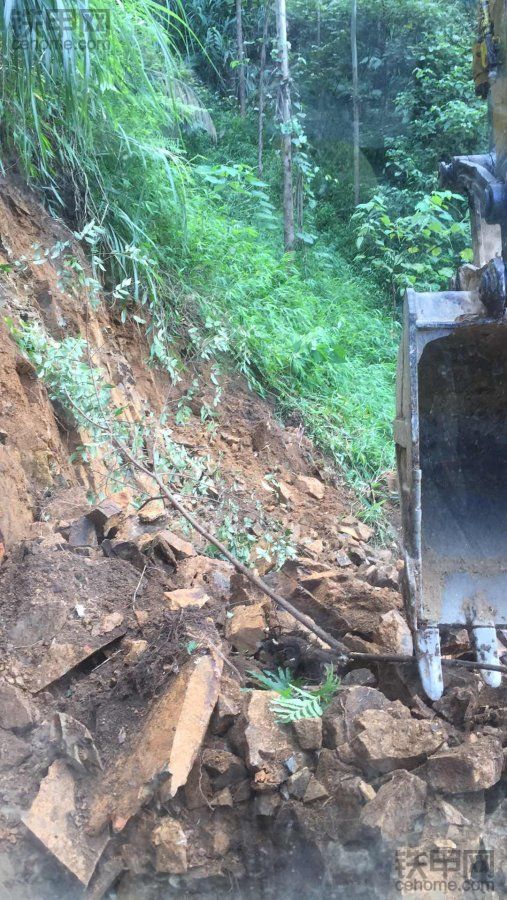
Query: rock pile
x=137, y=749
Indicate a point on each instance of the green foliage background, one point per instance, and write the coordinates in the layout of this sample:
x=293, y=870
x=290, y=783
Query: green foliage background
x=184, y=235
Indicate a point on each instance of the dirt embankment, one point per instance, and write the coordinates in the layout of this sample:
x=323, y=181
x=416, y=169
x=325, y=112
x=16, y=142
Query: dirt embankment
x=138, y=755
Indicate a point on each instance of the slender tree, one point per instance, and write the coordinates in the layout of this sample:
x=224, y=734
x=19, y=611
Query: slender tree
x=241, y=58
x=262, y=74
x=285, y=115
x=355, y=99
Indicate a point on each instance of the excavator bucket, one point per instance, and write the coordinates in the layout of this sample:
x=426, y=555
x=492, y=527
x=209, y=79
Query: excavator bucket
x=451, y=444
x=451, y=419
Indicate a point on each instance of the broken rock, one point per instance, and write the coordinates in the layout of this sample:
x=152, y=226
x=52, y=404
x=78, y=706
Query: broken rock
x=152, y=511
x=102, y=514
x=270, y=776
x=183, y=598
x=393, y=634
x=298, y=783
x=15, y=710
x=359, y=678
x=55, y=820
x=224, y=767
x=166, y=748
x=473, y=766
x=170, y=844
x=260, y=436
x=135, y=650
x=109, y=623
x=456, y=702
x=228, y=707
x=167, y=541
x=284, y=492
x=213, y=575
x=446, y=820
x=364, y=532
x=397, y=807
x=198, y=790
x=314, y=791
x=75, y=742
x=338, y=719
x=13, y=751
x=383, y=743
x=340, y=814
x=62, y=657
x=82, y=533
x=311, y=486
x=309, y=733
x=247, y=626
x=384, y=576
x=265, y=738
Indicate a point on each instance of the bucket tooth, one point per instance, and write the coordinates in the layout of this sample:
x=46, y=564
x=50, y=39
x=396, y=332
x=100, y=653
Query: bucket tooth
x=484, y=642
x=427, y=646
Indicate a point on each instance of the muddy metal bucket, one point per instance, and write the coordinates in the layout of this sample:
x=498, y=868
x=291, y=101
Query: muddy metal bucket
x=451, y=444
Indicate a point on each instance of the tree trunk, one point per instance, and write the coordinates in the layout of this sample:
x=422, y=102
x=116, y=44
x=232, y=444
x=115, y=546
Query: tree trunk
x=285, y=115
x=241, y=59
x=355, y=99
x=262, y=67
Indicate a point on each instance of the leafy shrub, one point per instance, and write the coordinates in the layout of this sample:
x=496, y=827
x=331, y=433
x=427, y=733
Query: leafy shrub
x=307, y=330
x=237, y=533
x=420, y=249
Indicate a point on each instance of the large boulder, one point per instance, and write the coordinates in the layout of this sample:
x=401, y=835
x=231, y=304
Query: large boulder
x=265, y=739
x=170, y=844
x=383, y=743
x=340, y=715
x=246, y=627
x=397, y=808
x=473, y=766
x=16, y=713
x=166, y=747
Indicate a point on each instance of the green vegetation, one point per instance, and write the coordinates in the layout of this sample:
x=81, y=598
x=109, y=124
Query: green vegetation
x=186, y=238
x=295, y=701
x=307, y=330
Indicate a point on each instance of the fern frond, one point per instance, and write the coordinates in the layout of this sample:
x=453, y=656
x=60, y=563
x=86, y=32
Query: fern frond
x=291, y=709
x=282, y=681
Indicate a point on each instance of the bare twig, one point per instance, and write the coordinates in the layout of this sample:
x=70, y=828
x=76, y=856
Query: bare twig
x=134, y=598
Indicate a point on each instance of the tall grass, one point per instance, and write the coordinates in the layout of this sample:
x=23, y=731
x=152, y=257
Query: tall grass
x=307, y=330
x=91, y=112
